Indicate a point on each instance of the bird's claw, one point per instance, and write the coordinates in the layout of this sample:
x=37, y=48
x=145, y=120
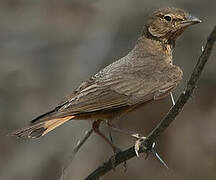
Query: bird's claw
x=138, y=145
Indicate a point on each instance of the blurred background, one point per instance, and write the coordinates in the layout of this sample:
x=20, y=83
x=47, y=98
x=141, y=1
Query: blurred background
x=48, y=47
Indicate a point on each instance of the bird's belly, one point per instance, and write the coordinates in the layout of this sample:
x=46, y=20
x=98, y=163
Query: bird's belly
x=108, y=114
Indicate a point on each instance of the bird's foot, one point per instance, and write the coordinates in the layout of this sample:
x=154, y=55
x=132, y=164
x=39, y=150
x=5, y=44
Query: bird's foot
x=140, y=143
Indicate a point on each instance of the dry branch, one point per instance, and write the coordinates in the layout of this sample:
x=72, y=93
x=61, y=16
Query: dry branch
x=167, y=120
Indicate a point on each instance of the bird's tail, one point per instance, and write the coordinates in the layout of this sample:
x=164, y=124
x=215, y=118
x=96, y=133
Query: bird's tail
x=41, y=128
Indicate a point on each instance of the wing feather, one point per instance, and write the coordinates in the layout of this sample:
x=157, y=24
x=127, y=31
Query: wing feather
x=114, y=88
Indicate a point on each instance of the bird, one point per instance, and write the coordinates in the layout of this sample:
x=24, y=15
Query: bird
x=145, y=74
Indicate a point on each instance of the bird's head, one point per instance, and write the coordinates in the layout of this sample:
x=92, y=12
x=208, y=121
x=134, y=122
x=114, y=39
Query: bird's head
x=169, y=23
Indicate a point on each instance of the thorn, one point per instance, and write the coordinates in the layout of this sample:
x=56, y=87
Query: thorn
x=153, y=145
x=78, y=143
x=172, y=99
x=137, y=147
x=159, y=158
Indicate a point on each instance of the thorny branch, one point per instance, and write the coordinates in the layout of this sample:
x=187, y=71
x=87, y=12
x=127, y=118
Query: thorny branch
x=167, y=120
x=75, y=150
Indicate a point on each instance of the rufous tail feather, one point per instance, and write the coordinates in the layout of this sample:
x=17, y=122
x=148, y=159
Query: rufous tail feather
x=41, y=128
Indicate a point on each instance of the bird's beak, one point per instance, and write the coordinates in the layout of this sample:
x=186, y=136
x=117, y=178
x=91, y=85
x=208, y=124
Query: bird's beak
x=190, y=20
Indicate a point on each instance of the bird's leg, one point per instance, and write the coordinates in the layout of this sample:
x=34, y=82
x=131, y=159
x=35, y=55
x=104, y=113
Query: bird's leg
x=95, y=126
x=123, y=131
x=111, y=139
x=137, y=136
x=109, y=130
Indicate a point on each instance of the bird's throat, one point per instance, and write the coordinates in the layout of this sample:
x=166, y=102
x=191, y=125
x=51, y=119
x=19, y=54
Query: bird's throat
x=155, y=46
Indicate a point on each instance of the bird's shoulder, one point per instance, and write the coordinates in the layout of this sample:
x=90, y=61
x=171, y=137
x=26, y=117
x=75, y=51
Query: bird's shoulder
x=114, y=73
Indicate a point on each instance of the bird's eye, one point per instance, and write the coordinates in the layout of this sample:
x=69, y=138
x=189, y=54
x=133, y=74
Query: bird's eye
x=168, y=18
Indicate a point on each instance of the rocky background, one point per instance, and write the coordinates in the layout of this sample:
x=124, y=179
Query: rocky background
x=48, y=47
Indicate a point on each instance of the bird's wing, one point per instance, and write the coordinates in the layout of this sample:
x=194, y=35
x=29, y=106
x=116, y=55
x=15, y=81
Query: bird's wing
x=117, y=89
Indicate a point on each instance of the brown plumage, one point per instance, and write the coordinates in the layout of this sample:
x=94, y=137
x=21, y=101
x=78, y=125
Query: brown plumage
x=146, y=73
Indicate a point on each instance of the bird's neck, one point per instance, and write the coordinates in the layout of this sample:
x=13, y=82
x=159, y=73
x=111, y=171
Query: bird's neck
x=148, y=45
x=168, y=40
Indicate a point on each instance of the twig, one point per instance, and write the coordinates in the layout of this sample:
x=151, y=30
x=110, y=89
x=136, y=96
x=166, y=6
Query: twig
x=80, y=143
x=167, y=120
x=75, y=150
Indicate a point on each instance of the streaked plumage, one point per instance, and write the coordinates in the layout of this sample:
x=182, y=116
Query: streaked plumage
x=146, y=73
